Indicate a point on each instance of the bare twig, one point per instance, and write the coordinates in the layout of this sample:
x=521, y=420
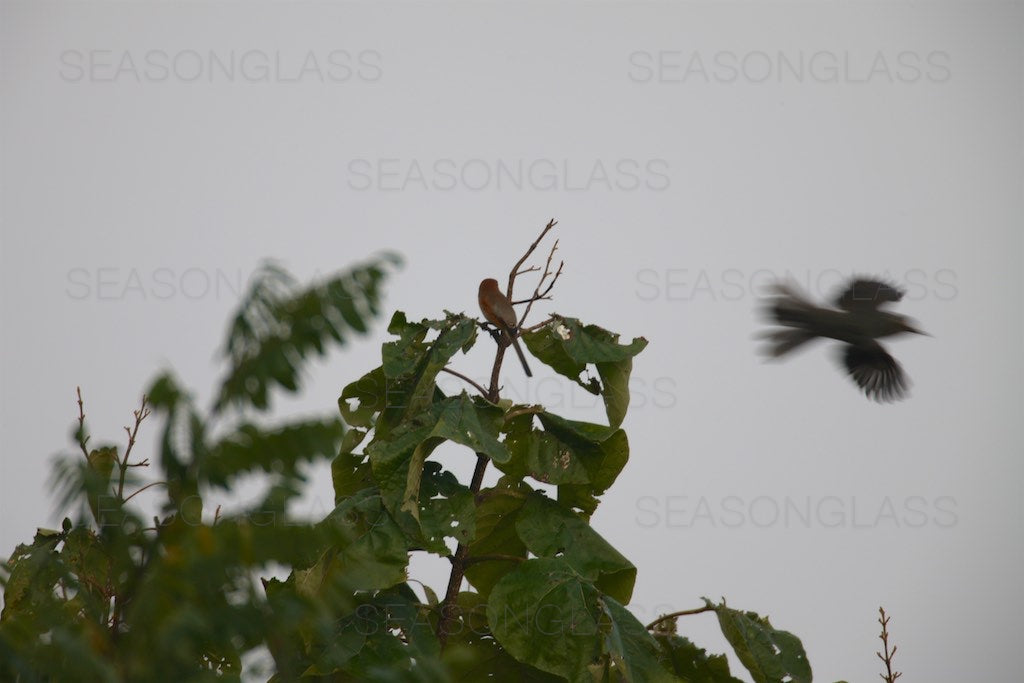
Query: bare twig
x=537, y=294
x=681, y=613
x=889, y=676
x=117, y=601
x=150, y=485
x=515, y=269
x=539, y=325
x=141, y=414
x=483, y=392
x=82, y=438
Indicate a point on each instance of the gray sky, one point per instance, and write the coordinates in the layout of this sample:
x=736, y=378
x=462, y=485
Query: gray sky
x=153, y=154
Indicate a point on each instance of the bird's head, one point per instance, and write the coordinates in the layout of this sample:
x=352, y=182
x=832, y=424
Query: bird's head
x=908, y=324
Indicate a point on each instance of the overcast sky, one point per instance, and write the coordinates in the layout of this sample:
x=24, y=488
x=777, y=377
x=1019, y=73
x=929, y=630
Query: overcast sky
x=154, y=154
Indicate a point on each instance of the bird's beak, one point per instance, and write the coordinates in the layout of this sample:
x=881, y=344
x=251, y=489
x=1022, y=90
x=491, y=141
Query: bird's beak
x=913, y=330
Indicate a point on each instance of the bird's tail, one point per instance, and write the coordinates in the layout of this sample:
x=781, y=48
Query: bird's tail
x=781, y=342
x=789, y=307
x=522, y=356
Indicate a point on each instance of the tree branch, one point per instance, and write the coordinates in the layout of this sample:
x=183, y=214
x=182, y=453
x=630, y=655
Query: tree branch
x=460, y=560
x=515, y=269
x=889, y=676
x=539, y=325
x=681, y=613
x=537, y=295
x=141, y=414
x=81, y=436
x=483, y=392
x=493, y=558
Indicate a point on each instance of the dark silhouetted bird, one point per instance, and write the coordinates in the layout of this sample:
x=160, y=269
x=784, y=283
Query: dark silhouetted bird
x=859, y=321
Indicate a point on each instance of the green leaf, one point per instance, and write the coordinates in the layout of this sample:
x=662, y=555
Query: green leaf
x=369, y=549
x=568, y=347
x=34, y=570
x=446, y=508
x=102, y=461
x=280, y=451
x=398, y=460
x=582, y=458
x=91, y=562
x=96, y=484
x=386, y=638
x=277, y=327
x=692, y=663
x=350, y=472
x=496, y=517
x=770, y=655
x=471, y=657
x=364, y=398
x=549, y=530
x=633, y=652
x=546, y=615
x=410, y=364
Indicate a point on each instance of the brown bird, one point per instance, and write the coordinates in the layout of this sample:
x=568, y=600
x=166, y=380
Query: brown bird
x=859, y=322
x=499, y=312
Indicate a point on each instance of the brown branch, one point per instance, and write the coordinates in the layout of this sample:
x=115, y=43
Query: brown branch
x=141, y=414
x=493, y=558
x=150, y=485
x=117, y=603
x=460, y=560
x=537, y=294
x=681, y=613
x=539, y=325
x=483, y=392
x=515, y=269
x=82, y=438
x=889, y=676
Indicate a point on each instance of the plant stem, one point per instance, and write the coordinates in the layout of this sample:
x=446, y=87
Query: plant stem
x=889, y=676
x=681, y=613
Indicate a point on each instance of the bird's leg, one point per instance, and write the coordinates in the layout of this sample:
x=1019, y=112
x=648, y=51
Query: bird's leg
x=495, y=333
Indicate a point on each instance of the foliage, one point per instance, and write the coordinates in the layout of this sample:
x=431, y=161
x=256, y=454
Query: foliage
x=112, y=597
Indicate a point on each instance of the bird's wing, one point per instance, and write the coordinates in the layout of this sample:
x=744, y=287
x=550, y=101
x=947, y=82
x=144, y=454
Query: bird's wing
x=863, y=294
x=875, y=371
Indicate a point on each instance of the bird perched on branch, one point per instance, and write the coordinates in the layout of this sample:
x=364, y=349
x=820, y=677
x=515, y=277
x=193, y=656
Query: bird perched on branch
x=858, y=320
x=499, y=312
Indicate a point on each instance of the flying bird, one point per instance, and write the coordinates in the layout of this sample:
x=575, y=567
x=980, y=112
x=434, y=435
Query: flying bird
x=858, y=319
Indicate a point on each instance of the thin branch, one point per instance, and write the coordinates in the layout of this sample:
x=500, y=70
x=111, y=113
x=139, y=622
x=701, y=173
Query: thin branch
x=150, y=485
x=476, y=559
x=539, y=325
x=515, y=269
x=681, y=613
x=82, y=438
x=141, y=414
x=537, y=294
x=525, y=410
x=483, y=392
x=889, y=676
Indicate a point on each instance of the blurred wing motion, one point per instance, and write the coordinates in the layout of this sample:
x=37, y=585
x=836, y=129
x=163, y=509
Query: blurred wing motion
x=875, y=371
x=867, y=295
